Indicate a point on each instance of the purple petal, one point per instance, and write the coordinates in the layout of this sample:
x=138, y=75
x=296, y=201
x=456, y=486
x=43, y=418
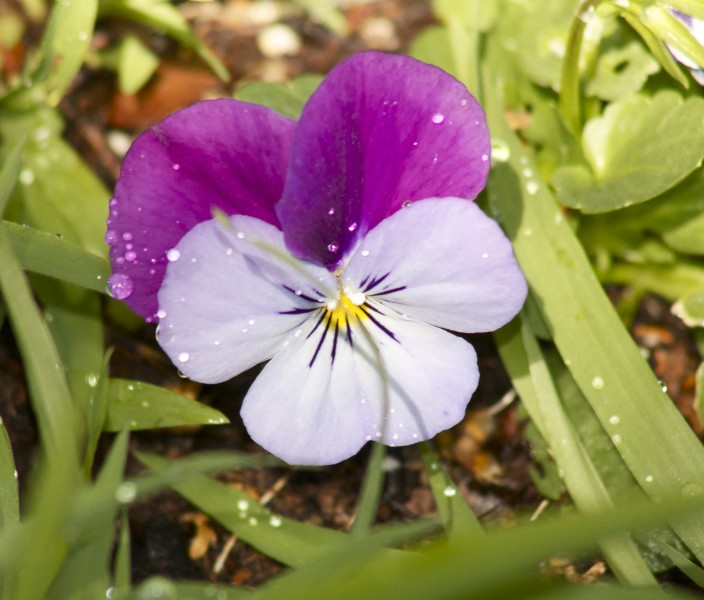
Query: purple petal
x=381, y=130
x=441, y=261
x=225, y=305
x=219, y=153
x=322, y=411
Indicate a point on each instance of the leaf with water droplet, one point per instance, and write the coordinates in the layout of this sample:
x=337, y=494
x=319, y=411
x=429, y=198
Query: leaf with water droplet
x=145, y=406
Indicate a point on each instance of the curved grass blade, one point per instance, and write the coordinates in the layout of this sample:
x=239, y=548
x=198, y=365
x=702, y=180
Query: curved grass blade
x=369, y=495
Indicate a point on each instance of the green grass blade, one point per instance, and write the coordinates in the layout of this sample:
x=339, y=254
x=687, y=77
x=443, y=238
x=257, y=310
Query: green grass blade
x=654, y=440
x=123, y=557
x=9, y=173
x=285, y=540
x=455, y=513
x=46, y=254
x=532, y=379
x=9, y=491
x=369, y=496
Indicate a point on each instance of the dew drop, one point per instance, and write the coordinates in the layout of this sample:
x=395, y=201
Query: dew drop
x=240, y=235
x=407, y=203
x=26, y=177
x=127, y=236
x=175, y=166
x=126, y=492
x=598, y=383
x=331, y=212
x=438, y=118
x=333, y=247
x=365, y=253
x=449, y=491
x=352, y=227
x=485, y=157
x=184, y=357
x=464, y=102
x=242, y=505
x=173, y=255
x=532, y=187
x=216, y=343
x=253, y=521
x=111, y=237
x=120, y=286
x=395, y=436
x=92, y=380
x=649, y=479
x=161, y=313
x=500, y=151
x=275, y=521
x=228, y=252
x=485, y=255
x=614, y=419
x=130, y=256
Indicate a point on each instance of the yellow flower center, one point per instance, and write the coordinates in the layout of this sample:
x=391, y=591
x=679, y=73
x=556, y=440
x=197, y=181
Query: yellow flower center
x=346, y=309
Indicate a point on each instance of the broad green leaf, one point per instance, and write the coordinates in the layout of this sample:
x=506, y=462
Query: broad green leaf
x=286, y=99
x=432, y=45
x=282, y=539
x=690, y=308
x=46, y=254
x=656, y=443
x=58, y=193
x=639, y=148
x=621, y=72
x=136, y=64
x=161, y=15
x=64, y=45
x=137, y=405
x=473, y=15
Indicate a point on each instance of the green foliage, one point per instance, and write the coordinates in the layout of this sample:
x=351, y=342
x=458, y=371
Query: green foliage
x=286, y=99
x=639, y=148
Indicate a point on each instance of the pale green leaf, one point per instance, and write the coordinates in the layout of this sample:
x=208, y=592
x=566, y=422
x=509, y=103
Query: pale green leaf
x=621, y=72
x=137, y=405
x=639, y=148
x=286, y=99
x=673, y=32
x=9, y=490
x=690, y=308
x=136, y=64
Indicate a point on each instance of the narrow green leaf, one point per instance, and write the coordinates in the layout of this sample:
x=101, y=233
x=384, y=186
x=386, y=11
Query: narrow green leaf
x=136, y=64
x=639, y=148
x=455, y=514
x=138, y=405
x=64, y=45
x=97, y=412
x=368, y=502
x=123, y=556
x=656, y=443
x=8, y=173
x=46, y=254
x=160, y=587
x=533, y=381
x=284, y=540
x=693, y=8
x=51, y=399
x=9, y=489
x=690, y=308
x=163, y=16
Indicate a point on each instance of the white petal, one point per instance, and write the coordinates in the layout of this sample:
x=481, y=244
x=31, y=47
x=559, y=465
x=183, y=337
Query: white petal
x=441, y=261
x=322, y=411
x=223, y=296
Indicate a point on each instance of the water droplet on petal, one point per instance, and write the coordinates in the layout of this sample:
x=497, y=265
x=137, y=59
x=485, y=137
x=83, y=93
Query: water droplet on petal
x=365, y=253
x=438, y=118
x=407, y=203
x=175, y=166
x=184, y=357
x=485, y=255
x=120, y=286
x=352, y=227
x=161, y=313
x=464, y=102
x=240, y=235
x=333, y=247
x=130, y=256
x=485, y=157
x=173, y=255
x=127, y=236
x=111, y=237
x=331, y=212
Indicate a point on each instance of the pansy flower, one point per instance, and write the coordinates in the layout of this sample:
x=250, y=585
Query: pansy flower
x=350, y=244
